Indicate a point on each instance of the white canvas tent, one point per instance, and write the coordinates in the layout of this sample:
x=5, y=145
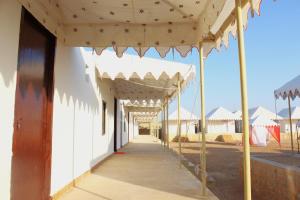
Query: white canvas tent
x=291, y=88
x=260, y=131
x=261, y=111
x=238, y=114
x=221, y=120
x=289, y=91
x=188, y=122
x=284, y=122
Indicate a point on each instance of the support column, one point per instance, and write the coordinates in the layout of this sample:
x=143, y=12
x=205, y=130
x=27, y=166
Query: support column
x=167, y=110
x=203, y=123
x=244, y=98
x=290, y=120
x=164, y=129
x=178, y=117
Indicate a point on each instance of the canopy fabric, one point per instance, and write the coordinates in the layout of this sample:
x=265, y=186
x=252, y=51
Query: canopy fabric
x=144, y=78
x=260, y=111
x=133, y=67
x=291, y=88
x=221, y=113
x=162, y=24
x=144, y=103
x=142, y=109
x=185, y=115
x=295, y=113
x=262, y=121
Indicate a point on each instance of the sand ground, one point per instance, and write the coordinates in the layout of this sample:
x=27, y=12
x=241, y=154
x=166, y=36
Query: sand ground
x=224, y=164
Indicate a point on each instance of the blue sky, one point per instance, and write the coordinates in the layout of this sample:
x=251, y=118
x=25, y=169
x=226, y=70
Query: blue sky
x=273, y=58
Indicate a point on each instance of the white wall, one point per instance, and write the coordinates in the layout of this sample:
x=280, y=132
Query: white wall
x=10, y=15
x=78, y=143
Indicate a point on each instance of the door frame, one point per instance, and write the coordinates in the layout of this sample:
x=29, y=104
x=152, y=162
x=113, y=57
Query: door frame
x=49, y=87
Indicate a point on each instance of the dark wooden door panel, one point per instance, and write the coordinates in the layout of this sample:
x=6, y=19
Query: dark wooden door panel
x=115, y=124
x=33, y=112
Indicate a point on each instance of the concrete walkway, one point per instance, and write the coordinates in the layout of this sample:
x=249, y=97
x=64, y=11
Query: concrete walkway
x=144, y=172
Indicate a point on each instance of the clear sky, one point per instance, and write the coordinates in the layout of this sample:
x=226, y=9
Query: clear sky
x=273, y=58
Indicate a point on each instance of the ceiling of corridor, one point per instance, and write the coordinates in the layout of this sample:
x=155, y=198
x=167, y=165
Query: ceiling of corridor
x=163, y=24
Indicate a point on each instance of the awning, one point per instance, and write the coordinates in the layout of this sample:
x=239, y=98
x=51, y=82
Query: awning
x=141, y=24
x=291, y=88
x=144, y=80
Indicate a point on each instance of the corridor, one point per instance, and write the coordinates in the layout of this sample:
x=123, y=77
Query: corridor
x=145, y=171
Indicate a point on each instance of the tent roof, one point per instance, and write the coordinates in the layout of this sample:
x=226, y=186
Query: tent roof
x=238, y=114
x=260, y=111
x=291, y=88
x=295, y=111
x=221, y=113
x=141, y=24
x=262, y=121
x=140, y=79
x=184, y=115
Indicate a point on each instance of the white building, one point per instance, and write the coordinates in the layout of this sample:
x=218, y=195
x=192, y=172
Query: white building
x=220, y=120
x=285, y=122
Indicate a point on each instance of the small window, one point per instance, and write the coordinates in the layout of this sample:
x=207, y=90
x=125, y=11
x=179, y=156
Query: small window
x=103, y=117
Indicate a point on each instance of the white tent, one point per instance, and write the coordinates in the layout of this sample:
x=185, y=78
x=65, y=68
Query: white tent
x=221, y=120
x=261, y=111
x=260, y=130
x=289, y=91
x=291, y=88
x=188, y=122
x=295, y=113
x=284, y=122
x=238, y=114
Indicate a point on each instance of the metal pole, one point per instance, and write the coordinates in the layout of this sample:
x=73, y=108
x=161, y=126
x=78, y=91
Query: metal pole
x=168, y=142
x=203, y=123
x=244, y=97
x=164, y=130
x=178, y=118
x=291, y=127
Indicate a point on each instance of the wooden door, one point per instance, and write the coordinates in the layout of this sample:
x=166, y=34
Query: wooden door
x=115, y=124
x=31, y=162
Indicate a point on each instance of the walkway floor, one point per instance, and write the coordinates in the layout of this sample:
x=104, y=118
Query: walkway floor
x=145, y=172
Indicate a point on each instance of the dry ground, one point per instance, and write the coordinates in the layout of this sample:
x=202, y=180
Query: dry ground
x=224, y=164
